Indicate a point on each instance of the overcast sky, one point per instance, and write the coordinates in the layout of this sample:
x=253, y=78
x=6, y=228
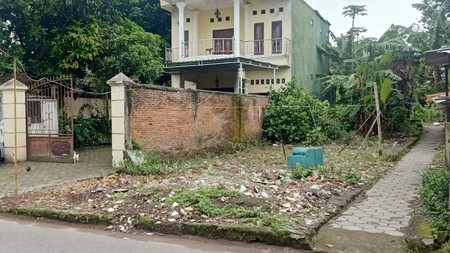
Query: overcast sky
x=381, y=14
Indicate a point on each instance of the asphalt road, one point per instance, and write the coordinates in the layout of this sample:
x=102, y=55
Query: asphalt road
x=18, y=236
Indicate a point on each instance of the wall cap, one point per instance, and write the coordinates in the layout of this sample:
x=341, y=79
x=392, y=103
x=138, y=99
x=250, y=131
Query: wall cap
x=119, y=80
x=9, y=85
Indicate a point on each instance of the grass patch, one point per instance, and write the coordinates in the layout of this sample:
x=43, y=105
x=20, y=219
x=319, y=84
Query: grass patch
x=434, y=194
x=153, y=164
x=207, y=201
x=202, y=200
x=120, y=196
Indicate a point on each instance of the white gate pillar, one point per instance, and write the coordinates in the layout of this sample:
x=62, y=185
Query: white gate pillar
x=119, y=117
x=8, y=117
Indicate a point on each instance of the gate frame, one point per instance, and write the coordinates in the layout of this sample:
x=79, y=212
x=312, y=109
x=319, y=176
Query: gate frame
x=49, y=140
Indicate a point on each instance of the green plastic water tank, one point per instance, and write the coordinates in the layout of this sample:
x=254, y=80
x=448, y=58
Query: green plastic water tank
x=308, y=157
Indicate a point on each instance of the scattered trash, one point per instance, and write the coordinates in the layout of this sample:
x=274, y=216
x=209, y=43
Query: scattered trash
x=136, y=156
x=98, y=189
x=120, y=190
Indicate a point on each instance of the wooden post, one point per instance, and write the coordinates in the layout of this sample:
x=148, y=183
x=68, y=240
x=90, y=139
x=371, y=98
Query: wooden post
x=377, y=104
x=16, y=179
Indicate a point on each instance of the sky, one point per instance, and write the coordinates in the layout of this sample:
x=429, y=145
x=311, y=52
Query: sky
x=380, y=14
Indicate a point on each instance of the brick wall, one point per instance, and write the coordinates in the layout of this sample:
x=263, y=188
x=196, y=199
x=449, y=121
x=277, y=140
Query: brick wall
x=174, y=120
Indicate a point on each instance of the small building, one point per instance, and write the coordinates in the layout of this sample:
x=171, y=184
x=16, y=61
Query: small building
x=246, y=46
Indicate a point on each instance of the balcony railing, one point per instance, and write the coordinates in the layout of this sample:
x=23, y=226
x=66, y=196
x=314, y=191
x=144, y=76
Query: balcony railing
x=223, y=47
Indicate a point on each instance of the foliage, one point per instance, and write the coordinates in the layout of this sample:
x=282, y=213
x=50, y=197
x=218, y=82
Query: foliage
x=294, y=116
x=202, y=200
x=434, y=194
x=351, y=177
x=119, y=196
x=95, y=39
x=300, y=172
x=91, y=131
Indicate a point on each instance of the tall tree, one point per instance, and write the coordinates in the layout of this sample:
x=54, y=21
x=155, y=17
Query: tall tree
x=354, y=10
x=77, y=37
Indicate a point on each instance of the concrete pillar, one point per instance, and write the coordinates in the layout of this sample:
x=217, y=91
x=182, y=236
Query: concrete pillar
x=8, y=117
x=237, y=28
x=195, y=33
x=247, y=22
x=119, y=117
x=181, y=5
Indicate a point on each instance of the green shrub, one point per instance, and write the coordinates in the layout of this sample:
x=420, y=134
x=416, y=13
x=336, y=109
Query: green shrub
x=434, y=194
x=294, y=116
x=92, y=131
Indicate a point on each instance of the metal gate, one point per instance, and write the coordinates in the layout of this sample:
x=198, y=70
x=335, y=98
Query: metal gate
x=50, y=120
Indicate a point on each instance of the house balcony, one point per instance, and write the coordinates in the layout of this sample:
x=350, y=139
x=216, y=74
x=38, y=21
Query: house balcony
x=274, y=51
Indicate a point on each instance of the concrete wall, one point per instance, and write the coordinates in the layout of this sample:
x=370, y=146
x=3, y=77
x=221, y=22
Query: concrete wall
x=173, y=120
x=309, y=30
x=94, y=106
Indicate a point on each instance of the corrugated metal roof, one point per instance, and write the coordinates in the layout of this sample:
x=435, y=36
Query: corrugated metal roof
x=438, y=57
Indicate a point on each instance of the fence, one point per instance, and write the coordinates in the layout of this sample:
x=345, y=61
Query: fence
x=175, y=120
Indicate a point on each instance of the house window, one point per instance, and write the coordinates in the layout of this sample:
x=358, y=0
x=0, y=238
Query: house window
x=34, y=111
x=227, y=18
x=259, y=39
x=255, y=13
x=257, y=81
x=277, y=33
x=188, y=20
x=262, y=81
x=263, y=11
x=278, y=81
x=252, y=82
x=219, y=19
x=186, y=43
x=281, y=9
x=283, y=80
x=272, y=10
x=211, y=20
x=312, y=22
x=267, y=81
x=273, y=81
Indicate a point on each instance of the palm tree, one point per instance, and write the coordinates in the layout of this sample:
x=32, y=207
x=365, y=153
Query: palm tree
x=354, y=10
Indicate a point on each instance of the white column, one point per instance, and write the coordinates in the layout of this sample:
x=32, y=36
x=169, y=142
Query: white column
x=8, y=117
x=237, y=28
x=119, y=124
x=181, y=6
x=195, y=33
x=247, y=22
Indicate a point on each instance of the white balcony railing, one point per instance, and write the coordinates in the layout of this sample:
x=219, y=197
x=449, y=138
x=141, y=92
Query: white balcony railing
x=223, y=47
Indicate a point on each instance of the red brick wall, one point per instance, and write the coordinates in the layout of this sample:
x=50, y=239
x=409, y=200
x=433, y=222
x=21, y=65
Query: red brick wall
x=173, y=120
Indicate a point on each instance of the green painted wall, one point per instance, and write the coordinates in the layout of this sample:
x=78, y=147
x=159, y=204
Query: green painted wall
x=307, y=62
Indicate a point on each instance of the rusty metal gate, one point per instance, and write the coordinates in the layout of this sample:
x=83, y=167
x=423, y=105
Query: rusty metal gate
x=50, y=119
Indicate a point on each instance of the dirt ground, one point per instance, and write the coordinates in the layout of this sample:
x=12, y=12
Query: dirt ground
x=250, y=186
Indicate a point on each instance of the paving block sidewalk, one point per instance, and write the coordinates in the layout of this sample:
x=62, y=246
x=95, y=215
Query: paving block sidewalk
x=376, y=222
x=93, y=163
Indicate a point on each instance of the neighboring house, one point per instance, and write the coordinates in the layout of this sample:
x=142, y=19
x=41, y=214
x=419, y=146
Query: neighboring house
x=265, y=46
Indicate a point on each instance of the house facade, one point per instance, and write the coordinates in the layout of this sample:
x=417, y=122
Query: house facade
x=245, y=46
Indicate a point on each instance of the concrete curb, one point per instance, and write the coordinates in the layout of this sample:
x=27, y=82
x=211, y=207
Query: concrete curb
x=299, y=239
x=83, y=218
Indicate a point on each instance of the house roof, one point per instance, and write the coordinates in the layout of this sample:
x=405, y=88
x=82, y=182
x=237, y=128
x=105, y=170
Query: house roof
x=438, y=57
x=223, y=63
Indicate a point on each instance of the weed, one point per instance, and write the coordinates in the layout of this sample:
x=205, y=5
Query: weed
x=202, y=201
x=351, y=177
x=120, y=196
x=301, y=172
x=434, y=194
x=276, y=221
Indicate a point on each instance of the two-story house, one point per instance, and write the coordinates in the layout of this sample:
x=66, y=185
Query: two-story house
x=245, y=46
